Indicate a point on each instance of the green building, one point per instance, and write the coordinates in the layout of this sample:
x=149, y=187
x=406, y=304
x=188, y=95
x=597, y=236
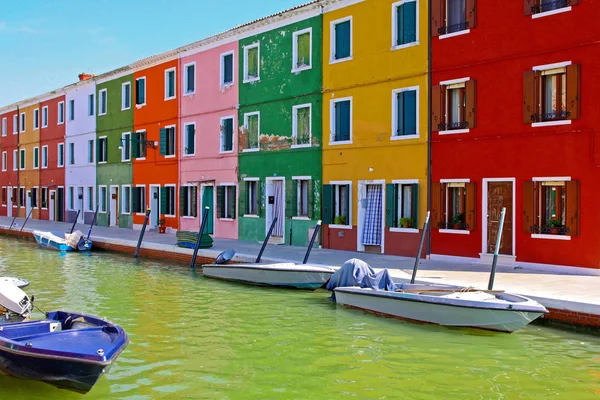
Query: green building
x=280, y=138
x=114, y=122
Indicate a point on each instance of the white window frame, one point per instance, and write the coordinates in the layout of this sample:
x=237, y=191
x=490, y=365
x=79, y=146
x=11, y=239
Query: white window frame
x=59, y=152
x=297, y=179
x=174, y=200
x=459, y=81
x=188, y=195
x=103, y=92
x=143, y=205
x=257, y=180
x=42, y=197
x=295, y=67
x=185, y=133
x=93, y=142
x=174, y=141
x=549, y=179
x=395, y=113
x=36, y=160
x=246, y=48
x=551, y=12
x=15, y=160
x=71, y=154
x=87, y=197
x=71, y=110
x=395, y=25
x=123, y=187
x=100, y=187
x=187, y=92
x=141, y=78
x=71, y=198
x=167, y=71
x=350, y=200
x=91, y=106
x=448, y=217
x=4, y=160
x=45, y=117
x=144, y=145
x=105, y=138
x=332, y=24
x=45, y=162
x=36, y=190
x=332, y=104
x=36, y=119
x=225, y=200
x=246, y=115
x=4, y=126
x=15, y=124
x=400, y=182
x=548, y=67
x=61, y=115
x=22, y=159
x=23, y=123
x=221, y=136
x=123, y=98
x=222, y=69
x=295, y=124
x=125, y=137
x=458, y=33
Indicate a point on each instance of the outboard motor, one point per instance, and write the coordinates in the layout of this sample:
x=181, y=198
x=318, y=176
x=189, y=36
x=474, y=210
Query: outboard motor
x=14, y=301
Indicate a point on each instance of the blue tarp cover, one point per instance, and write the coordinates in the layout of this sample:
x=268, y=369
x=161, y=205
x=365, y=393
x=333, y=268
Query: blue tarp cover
x=356, y=272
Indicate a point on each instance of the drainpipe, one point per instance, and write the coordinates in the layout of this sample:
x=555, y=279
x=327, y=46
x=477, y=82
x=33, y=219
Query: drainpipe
x=18, y=160
x=429, y=130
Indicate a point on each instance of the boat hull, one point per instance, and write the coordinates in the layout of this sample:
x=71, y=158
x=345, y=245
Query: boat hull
x=279, y=275
x=411, y=307
x=48, y=243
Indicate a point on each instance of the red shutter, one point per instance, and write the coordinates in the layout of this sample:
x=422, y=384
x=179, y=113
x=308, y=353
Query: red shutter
x=574, y=2
x=436, y=205
x=471, y=206
x=528, y=207
x=437, y=106
x=527, y=4
x=436, y=17
x=529, y=103
x=572, y=217
x=471, y=111
x=472, y=13
x=573, y=90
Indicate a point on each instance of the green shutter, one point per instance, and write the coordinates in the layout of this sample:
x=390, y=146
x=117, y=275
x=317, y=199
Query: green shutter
x=135, y=146
x=391, y=205
x=243, y=206
x=399, y=25
x=228, y=145
x=135, y=201
x=194, y=202
x=347, y=205
x=311, y=199
x=253, y=62
x=259, y=196
x=182, y=200
x=291, y=198
x=228, y=68
x=220, y=201
x=191, y=139
x=342, y=40
x=163, y=200
x=207, y=201
x=327, y=205
x=415, y=205
x=163, y=141
x=410, y=113
x=409, y=23
x=232, y=201
x=400, y=114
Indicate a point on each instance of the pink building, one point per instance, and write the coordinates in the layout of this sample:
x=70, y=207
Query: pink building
x=208, y=133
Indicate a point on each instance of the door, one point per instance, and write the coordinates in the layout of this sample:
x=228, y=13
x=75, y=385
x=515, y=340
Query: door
x=276, y=208
x=499, y=194
x=28, y=203
x=9, y=202
x=371, y=229
x=52, y=205
x=154, y=206
x=80, y=204
x=60, y=204
x=114, y=206
x=208, y=195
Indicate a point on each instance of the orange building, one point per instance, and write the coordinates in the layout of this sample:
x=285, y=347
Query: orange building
x=28, y=151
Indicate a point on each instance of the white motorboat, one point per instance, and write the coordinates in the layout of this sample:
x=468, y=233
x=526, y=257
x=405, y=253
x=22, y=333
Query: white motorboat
x=14, y=303
x=18, y=282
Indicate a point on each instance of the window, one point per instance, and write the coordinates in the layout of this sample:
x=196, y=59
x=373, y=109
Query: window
x=15, y=160
x=90, y=198
x=126, y=206
x=102, y=199
x=252, y=128
x=125, y=96
x=454, y=205
x=139, y=145
x=226, y=202
x=551, y=93
x=71, y=153
x=452, y=16
x=227, y=69
x=45, y=117
x=252, y=197
x=44, y=199
x=34, y=197
x=188, y=201
x=4, y=161
x=404, y=27
x=139, y=199
x=301, y=125
x=36, y=118
x=61, y=155
x=103, y=106
x=91, y=104
x=22, y=127
x=336, y=204
x=226, y=134
x=167, y=203
x=170, y=84
x=44, y=156
x=167, y=141
x=453, y=106
x=15, y=124
x=4, y=126
x=102, y=149
x=21, y=197
x=71, y=198
x=189, y=139
x=551, y=206
x=90, y=156
x=536, y=7
x=304, y=197
x=61, y=112
x=71, y=110
x=252, y=63
x=126, y=147
x=4, y=198
x=22, y=159
x=302, y=50
x=341, y=120
x=36, y=157
x=140, y=91
x=341, y=40
x=189, y=78
x=401, y=205
x=405, y=112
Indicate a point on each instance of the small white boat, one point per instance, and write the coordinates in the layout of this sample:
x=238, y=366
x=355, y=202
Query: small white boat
x=14, y=303
x=300, y=276
x=491, y=310
x=18, y=282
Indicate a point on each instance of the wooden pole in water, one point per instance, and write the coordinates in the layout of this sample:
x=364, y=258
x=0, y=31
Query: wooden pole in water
x=139, y=243
x=416, y=266
x=75, y=222
x=26, y=219
x=262, y=249
x=497, y=250
x=202, y=226
x=312, y=242
x=93, y=222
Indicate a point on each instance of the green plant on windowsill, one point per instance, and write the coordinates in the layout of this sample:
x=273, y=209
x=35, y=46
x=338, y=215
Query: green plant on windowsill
x=339, y=220
x=406, y=222
x=554, y=224
x=457, y=220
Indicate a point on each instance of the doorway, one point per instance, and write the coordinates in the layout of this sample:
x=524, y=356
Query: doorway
x=9, y=201
x=28, y=204
x=80, y=219
x=60, y=204
x=52, y=205
x=114, y=206
x=208, y=195
x=371, y=215
x=275, y=207
x=154, y=206
x=498, y=193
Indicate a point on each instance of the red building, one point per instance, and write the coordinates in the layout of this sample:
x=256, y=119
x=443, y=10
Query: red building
x=8, y=175
x=515, y=123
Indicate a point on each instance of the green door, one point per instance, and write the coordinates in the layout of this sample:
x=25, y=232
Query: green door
x=207, y=201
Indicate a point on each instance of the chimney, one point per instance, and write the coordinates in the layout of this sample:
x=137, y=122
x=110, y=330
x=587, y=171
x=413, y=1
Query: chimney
x=84, y=77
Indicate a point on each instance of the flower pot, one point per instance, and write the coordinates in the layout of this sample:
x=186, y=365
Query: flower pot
x=406, y=225
x=554, y=231
x=457, y=226
x=162, y=229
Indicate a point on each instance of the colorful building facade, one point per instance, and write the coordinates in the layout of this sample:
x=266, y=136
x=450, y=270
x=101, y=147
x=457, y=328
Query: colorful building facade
x=375, y=124
x=515, y=127
x=28, y=174
x=8, y=169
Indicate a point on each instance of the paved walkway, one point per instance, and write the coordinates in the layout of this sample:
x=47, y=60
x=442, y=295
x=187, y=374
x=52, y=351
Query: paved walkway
x=561, y=291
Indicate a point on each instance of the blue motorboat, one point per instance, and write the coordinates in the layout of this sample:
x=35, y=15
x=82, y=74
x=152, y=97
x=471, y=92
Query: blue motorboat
x=68, y=350
x=63, y=241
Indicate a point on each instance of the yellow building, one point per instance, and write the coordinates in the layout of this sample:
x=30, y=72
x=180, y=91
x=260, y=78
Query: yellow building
x=28, y=174
x=375, y=108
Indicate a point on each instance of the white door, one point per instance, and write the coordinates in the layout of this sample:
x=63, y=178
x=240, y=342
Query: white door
x=28, y=203
x=114, y=203
x=80, y=204
x=276, y=208
x=154, y=207
x=9, y=202
x=52, y=205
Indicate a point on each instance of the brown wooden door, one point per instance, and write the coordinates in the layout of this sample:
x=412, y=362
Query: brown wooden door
x=500, y=194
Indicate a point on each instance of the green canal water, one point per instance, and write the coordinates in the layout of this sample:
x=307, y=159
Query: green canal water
x=193, y=337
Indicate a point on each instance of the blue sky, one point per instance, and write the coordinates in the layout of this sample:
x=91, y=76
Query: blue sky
x=45, y=44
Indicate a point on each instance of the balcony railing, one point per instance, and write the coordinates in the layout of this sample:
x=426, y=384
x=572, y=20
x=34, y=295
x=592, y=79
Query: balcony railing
x=453, y=125
x=549, y=230
x=449, y=225
x=549, y=6
x=551, y=116
x=444, y=30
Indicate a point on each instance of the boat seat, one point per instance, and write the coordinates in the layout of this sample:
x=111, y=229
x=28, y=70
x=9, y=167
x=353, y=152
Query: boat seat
x=21, y=329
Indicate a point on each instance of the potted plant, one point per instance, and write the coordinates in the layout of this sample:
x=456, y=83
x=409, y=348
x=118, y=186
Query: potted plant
x=554, y=224
x=339, y=220
x=161, y=224
x=457, y=221
x=406, y=222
